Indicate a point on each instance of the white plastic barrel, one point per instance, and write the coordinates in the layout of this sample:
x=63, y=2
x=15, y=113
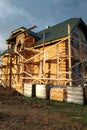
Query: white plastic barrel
x=41, y=91
x=29, y=90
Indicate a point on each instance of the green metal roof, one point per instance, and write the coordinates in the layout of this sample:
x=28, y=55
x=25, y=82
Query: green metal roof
x=33, y=34
x=57, y=31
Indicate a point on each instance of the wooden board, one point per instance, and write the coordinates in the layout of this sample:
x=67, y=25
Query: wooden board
x=57, y=94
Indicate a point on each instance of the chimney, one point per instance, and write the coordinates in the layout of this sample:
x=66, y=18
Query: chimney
x=47, y=27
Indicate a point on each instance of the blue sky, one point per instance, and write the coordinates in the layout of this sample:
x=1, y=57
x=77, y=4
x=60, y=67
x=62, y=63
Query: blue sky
x=17, y=13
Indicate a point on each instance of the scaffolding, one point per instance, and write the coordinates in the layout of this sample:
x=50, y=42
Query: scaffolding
x=45, y=65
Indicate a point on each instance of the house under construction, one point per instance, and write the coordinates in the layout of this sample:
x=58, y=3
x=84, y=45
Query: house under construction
x=56, y=55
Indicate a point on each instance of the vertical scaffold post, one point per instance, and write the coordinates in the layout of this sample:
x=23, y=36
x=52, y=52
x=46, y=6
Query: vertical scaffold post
x=10, y=74
x=69, y=53
x=43, y=60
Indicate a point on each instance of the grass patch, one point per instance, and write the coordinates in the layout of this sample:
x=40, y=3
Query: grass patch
x=63, y=105
x=74, y=113
x=28, y=99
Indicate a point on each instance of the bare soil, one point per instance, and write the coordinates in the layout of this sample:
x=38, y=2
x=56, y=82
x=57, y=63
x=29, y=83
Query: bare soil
x=20, y=113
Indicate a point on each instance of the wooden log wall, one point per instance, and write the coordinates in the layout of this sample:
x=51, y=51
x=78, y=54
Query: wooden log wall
x=49, y=57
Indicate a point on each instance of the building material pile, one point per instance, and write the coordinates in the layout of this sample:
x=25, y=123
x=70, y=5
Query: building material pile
x=58, y=94
x=29, y=90
x=75, y=95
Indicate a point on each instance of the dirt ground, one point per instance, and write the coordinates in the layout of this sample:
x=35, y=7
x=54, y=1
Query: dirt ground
x=17, y=113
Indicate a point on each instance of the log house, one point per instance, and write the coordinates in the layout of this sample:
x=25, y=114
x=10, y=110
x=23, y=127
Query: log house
x=56, y=55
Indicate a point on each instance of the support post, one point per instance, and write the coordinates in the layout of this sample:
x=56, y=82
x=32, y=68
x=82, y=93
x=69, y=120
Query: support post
x=58, y=75
x=43, y=60
x=10, y=74
x=82, y=49
x=69, y=53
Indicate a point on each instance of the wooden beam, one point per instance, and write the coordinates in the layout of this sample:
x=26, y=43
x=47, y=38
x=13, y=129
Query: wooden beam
x=20, y=55
x=51, y=42
x=46, y=78
x=76, y=64
x=74, y=38
x=43, y=56
x=69, y=52
x=46, y=50
x=58, y=67
x=10, y=75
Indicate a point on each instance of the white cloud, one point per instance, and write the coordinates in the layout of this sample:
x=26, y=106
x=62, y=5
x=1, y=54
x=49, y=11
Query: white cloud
x=3, y=45
x=10, y=17
x=17, y=13
x=7, y=9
